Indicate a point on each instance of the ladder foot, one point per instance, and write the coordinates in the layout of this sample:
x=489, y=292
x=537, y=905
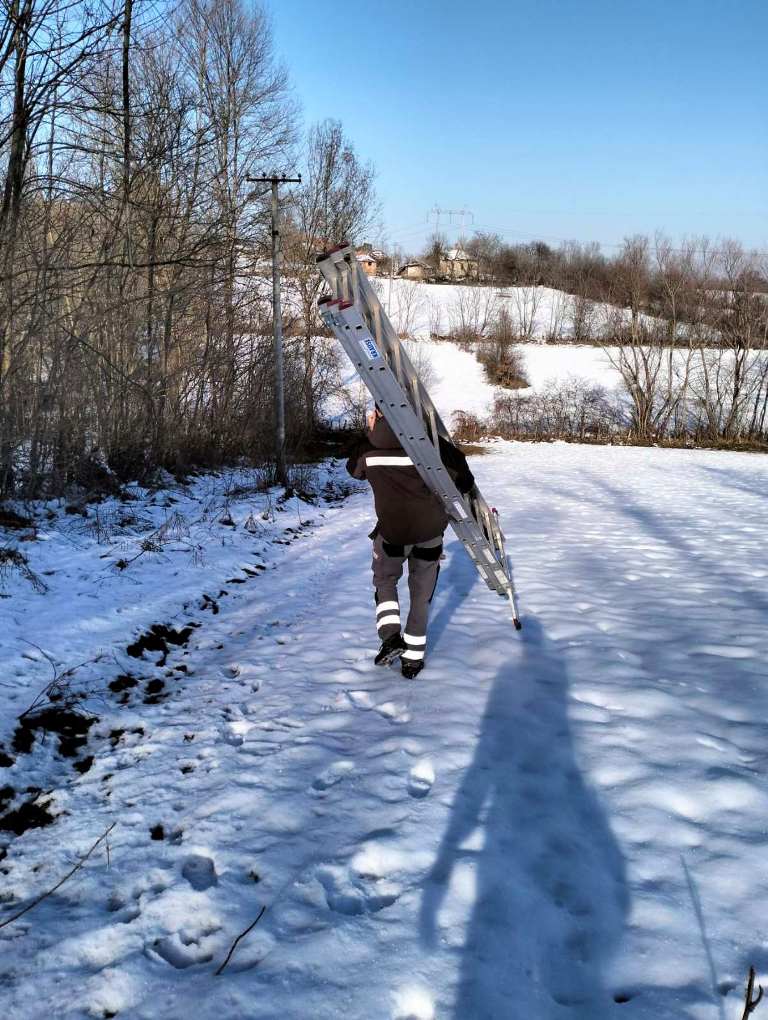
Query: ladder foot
x=518, y=625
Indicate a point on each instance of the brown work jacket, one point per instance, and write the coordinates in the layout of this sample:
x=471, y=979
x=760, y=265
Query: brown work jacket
x=406, y=510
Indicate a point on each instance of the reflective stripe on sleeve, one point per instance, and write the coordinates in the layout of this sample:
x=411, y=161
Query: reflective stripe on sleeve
x=388, y=462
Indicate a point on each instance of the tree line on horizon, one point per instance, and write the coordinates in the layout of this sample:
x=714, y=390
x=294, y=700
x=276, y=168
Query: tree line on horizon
x=647, y=274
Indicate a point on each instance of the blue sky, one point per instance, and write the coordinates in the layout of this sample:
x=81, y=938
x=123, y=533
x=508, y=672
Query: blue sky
x=559, y=119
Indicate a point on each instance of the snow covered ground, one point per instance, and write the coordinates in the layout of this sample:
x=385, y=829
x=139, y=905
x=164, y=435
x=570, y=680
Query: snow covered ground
x=559, y=362
x=565, y=823
x=459, y=382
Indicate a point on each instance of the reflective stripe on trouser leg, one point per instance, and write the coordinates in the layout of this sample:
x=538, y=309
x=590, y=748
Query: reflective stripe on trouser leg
x=387, y=571
x=414, y=647
x=422, y=577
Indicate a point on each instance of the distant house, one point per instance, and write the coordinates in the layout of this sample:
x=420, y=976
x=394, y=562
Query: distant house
x=456, y=264
x=368, y=262
x=414, y=271
x=378, y=254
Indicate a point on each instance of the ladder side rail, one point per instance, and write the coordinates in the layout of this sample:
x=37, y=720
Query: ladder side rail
x=434, y=435
x=511, y=593
x=492, y=528
x=495, y=574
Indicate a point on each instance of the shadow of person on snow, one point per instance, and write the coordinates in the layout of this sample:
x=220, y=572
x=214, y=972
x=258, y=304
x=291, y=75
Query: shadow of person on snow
x=457, y=576
x=529, y=844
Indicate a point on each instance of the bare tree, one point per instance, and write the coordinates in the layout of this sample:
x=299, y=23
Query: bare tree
x=473, y=312
x=583, y=318
x=434, y=253
x=558, y=309
x=128, y=308
x=486, y=248
x=408, y=307
x=336, y=203
x=525, y=303
x=503, y=361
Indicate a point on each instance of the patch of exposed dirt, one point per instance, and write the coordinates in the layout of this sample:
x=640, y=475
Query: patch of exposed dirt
x=70, y=727
x=123, y=685
x=12, y=521
x=30, y=814
x=154, y=692
x=115, y=736
x=159, y=638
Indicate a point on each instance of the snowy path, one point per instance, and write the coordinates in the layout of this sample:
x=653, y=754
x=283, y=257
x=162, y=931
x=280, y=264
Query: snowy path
x=569, y=823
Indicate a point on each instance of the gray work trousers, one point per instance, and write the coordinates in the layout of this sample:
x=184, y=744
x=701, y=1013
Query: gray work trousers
x=423, y=569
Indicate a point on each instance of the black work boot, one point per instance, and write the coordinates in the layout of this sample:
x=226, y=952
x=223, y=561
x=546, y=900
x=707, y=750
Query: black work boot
x=410, y=668
x=391, y=648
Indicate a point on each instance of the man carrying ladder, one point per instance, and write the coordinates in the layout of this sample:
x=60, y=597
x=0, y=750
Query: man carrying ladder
x=417, y=443
x=410, y=524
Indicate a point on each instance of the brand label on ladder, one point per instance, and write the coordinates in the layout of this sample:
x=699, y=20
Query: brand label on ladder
x=369, y=349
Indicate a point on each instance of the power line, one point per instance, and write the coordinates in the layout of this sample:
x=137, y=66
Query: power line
x=437, y=212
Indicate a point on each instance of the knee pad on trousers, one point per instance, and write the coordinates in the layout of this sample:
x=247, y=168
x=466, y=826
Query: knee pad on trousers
x=428, y=553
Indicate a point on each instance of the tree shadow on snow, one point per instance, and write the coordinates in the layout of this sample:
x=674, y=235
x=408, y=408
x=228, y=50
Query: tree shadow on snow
x=735, y=480
x=529, y=843
x=662, y=529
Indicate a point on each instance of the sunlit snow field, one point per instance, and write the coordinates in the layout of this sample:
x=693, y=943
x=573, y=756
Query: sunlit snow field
x=569, y=822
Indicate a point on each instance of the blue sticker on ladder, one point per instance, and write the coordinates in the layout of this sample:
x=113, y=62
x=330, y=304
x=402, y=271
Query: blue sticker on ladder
x=369, y=349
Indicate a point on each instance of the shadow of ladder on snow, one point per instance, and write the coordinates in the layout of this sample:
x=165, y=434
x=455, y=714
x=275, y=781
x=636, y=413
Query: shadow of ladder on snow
x=549, y=878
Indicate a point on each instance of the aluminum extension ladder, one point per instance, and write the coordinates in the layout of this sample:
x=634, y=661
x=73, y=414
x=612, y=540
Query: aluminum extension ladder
x=354, y=314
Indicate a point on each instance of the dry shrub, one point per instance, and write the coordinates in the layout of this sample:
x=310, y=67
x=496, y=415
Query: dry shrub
x=573, y=409
x=468, y=428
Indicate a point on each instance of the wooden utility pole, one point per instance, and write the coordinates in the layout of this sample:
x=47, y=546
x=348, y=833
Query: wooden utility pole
x=277, y=255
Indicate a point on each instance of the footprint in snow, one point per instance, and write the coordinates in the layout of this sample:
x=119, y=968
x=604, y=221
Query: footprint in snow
x=200, y=872
x=333, y=775
x=184, y=948
x=357, y=895
x=126, y=900
x=421, y=778
x=235, y=732
x=361, y=700
x=393, y=711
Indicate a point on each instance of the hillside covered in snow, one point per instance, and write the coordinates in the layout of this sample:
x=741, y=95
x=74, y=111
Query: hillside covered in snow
x=613, y=387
